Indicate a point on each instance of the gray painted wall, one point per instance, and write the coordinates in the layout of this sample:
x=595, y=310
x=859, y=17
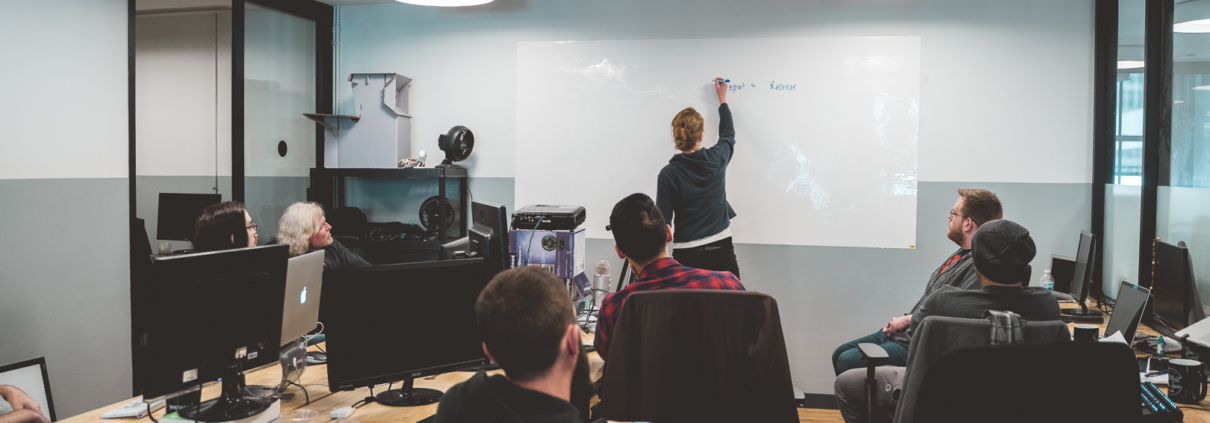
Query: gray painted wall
x=65, y=288
x=828, y=295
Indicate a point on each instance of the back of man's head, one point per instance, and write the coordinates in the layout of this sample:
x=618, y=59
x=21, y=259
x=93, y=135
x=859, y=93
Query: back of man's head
x=523, y=315
x=980, y=205
x=1002, y=250
x=639, y=228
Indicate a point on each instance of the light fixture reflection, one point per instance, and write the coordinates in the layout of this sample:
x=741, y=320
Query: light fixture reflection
x=1130, y=64
x=1199, y=26
x=445, y=3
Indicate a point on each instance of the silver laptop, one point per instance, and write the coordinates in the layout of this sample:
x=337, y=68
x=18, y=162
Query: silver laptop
x=304, y=277
x=1199, y=333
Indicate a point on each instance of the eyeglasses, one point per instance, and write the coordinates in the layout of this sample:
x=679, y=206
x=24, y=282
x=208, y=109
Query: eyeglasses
x=956, y=214
x=252, y=227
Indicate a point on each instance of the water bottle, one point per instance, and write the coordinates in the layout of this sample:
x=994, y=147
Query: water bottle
x=601, y=282
x=1047, y=282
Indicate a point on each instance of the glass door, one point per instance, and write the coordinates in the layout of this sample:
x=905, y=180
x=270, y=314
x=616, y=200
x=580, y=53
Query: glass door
x=280, y=84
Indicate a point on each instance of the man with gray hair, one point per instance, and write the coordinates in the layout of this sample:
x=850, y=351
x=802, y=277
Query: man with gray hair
x=1001, y=250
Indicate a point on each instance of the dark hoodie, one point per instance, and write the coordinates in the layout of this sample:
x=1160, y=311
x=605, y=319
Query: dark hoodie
x=496, y=399
x=692, y=188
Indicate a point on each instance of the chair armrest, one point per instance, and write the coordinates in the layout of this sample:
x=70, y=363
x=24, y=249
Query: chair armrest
x=872, y=352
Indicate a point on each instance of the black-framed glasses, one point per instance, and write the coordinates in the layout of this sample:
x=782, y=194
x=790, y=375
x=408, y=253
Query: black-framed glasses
x=252, y=227
x=956, y=214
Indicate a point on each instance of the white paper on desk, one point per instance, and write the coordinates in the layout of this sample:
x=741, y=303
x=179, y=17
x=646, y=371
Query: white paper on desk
x=1116, y=337
x=1158, y=379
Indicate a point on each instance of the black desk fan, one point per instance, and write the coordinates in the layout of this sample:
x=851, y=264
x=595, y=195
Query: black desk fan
x=457, y=145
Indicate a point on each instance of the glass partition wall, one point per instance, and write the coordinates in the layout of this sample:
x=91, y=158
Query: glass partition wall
x=217, y=92
x=1119, y=244
x=1183, y=183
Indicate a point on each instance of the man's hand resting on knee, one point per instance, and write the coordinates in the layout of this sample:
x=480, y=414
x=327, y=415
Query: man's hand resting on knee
x=897, y=325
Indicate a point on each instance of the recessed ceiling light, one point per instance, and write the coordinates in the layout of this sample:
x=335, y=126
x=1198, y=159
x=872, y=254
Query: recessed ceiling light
x=1202, y=88
x=445, y=3
x=1193, y=27
x=1130, y=64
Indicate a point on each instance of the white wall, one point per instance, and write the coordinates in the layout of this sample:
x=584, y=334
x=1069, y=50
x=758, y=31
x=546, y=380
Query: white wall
x=183, y=94
x=64, y=89
x=1009, y=82
x=64, y=288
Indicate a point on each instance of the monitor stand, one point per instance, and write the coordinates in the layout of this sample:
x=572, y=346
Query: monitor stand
x=408, y=396
x=1083, y=314
x=231, y=405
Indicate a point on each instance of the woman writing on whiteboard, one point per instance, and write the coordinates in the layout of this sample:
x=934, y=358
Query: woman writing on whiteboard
x=692, y=190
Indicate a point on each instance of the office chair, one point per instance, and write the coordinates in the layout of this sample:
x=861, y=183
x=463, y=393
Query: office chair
x=689, y=355
x=1058, y=382
x=935, y=337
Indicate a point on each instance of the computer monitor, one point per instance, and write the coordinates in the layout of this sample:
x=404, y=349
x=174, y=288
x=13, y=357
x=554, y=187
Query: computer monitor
x=1080, y=281
x=215, y=314
x=178, y=214
x=402, y=321
x=1128, y=311
x=1177, y=302
x=489, y=236
x=456, y=249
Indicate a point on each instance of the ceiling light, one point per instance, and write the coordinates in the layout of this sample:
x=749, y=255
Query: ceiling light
x=1130, y=64
x=1199, y=26
x=1202, y=88
x=445, y=3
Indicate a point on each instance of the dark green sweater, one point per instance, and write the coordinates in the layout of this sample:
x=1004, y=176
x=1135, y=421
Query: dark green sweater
x=691, y=190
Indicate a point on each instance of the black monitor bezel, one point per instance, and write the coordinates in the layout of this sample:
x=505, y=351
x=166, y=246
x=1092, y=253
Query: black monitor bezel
x=337, y=384
x=1186, y=286
x=164, y=298
x=1082, y=277
x=497, y=256
x=164, y=228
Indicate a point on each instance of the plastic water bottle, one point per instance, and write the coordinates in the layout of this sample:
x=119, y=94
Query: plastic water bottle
x=1047, y=281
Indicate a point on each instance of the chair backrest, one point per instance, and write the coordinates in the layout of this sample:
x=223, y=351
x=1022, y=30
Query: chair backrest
x=1047, y=382
x=30, y=376
x=690, y=355
x=938, y=335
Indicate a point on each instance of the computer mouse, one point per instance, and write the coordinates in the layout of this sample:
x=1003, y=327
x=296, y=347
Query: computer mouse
x=314, y=357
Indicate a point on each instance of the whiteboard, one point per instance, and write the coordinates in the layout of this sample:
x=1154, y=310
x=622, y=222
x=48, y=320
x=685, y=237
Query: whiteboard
x=826, y=130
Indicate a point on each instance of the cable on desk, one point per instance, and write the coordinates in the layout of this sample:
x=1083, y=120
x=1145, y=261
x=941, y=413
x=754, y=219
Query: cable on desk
x=149, y=414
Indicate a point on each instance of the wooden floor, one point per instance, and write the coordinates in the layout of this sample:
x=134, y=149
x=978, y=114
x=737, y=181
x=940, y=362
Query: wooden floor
x=817, y=415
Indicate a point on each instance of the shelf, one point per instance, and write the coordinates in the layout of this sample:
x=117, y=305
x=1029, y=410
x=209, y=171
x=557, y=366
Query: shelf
x=391, y=245
x=424, y=172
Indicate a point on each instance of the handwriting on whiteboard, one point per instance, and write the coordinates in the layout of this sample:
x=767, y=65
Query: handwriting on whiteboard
x=773, y=86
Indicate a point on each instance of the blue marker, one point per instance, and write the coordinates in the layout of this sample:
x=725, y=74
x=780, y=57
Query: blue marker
x=717, y=80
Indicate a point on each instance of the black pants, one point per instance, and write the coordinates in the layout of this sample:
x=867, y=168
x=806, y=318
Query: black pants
x=718, y=256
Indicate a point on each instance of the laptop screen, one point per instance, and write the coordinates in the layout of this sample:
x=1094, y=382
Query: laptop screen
x=1128, y=311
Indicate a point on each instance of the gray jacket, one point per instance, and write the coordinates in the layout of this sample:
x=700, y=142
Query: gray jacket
x=961, y=275
x=1032, y=303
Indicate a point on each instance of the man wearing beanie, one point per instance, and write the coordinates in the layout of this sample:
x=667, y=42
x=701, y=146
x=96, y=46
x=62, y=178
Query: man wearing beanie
x=1001, y=250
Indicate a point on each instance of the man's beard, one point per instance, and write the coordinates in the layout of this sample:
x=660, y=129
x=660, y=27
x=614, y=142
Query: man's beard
x=956, y=235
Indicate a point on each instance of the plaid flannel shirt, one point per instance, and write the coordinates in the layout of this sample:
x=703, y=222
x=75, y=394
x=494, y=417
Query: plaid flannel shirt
x=664, y=273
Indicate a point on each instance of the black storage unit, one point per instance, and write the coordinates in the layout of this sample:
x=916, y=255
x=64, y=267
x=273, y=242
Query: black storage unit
x=328, y=187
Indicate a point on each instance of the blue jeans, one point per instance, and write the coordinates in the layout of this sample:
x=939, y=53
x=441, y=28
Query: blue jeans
x=848, y=357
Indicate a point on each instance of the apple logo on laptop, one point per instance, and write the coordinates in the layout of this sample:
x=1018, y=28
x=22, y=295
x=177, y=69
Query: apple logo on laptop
x=302, y=299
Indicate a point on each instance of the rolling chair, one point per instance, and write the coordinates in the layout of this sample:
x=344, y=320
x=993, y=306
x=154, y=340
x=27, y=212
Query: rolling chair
x=935, y=337
x=1058, y=382
x=688, y=355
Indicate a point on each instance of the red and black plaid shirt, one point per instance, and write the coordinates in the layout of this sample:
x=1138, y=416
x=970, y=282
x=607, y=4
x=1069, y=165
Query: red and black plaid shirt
x=664, y=273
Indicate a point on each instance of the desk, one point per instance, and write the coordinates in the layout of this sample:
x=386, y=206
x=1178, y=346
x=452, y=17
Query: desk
x=1194, y=413
x=315, y=379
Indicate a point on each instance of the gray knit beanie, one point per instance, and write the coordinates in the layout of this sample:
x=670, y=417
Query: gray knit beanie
x=1002, y=250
